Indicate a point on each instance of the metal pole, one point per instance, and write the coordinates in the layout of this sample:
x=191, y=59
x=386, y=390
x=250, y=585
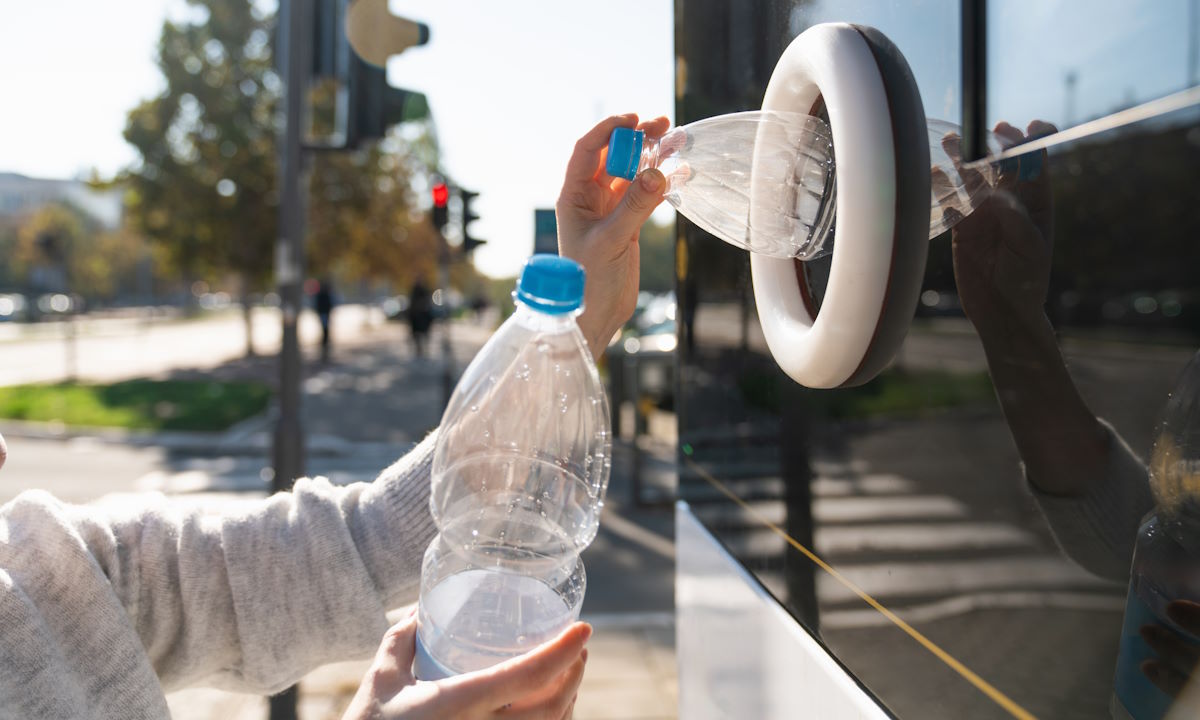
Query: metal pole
x=633, y=371
x=294, y=35
x=974, y=79
x=447, y=355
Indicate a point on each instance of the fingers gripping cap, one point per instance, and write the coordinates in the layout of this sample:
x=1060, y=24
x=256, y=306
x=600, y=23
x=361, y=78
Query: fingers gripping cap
x=624, y=152
x=551, y=284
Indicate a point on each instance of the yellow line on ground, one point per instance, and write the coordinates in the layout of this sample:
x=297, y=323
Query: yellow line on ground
x=967, y=674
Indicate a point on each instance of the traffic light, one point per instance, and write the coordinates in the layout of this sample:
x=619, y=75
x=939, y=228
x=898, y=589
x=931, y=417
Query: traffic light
x=468, y=214
x=352, y=40
x=376, y=34
x=375, y=106
x=441, y=199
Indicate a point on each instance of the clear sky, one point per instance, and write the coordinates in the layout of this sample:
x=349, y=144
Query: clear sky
x=511, y=86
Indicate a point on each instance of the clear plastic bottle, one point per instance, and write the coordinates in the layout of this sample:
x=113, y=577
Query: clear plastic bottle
x=1166, y=563
x=708, y=165
x=519, y=476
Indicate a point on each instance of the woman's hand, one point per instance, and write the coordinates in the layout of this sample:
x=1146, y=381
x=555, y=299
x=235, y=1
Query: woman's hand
x=539, y=684
x=1177, y=658
x=599, y=218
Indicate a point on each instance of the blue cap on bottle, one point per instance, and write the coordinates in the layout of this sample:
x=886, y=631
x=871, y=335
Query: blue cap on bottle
x=624, y=152
x=551, y=284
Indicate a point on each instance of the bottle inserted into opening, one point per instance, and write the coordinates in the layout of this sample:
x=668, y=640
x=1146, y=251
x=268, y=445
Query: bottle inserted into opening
x=708, y=166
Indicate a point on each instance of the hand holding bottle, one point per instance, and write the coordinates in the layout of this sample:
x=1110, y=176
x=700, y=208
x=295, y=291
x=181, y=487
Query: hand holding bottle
x=599, y=218
x=539, y=684
x=1177, y=659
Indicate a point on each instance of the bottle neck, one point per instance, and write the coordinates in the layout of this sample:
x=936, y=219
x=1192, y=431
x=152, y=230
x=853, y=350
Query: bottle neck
x=544, y=322
x=663, y=153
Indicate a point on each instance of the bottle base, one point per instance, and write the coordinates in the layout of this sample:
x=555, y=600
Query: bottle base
x=425, y=667
x=1116, y=709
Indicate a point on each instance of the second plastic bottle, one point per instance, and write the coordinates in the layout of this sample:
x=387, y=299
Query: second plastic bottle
x=518, y=483
x=708, y=165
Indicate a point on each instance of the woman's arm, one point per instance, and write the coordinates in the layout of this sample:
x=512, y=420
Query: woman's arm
x=256, y=599
x=1091, y=487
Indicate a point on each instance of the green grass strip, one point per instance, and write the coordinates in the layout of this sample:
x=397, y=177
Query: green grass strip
x=138, y=404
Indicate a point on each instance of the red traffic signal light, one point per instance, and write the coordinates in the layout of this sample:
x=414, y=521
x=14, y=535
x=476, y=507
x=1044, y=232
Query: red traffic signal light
x=441, y=194
x=441, y=213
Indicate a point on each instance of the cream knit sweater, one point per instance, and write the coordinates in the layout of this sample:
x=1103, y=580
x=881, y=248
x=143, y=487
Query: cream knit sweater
x=100, y=611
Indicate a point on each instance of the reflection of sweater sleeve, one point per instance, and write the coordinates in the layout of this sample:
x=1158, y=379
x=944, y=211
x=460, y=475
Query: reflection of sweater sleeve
x=95, y=603
x=1098, y=529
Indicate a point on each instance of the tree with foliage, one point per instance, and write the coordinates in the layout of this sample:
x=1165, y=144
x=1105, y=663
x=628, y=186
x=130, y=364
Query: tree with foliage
x=362, y=218
x=58, y=248
x=204, y=187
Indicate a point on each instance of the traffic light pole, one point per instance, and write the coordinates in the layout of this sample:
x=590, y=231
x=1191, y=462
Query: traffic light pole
x=294, y=35
x=447, y=353
x=293, y=47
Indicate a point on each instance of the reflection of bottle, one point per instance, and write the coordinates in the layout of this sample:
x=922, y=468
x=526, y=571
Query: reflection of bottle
x=962, y=191
x=1166, y=560
x=1163, y=570
x=518, y=481
x=708, y=165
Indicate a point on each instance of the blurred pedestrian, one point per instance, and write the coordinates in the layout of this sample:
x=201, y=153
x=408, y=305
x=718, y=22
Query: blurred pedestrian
x=420, y=315
x=324, y=307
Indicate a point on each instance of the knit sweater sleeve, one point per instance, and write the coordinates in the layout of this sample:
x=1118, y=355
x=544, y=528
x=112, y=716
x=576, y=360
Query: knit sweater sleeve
x=253, y=600
x=1098, y=529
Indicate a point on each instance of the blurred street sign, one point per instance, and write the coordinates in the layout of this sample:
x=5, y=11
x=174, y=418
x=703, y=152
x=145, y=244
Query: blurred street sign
x=545, y=231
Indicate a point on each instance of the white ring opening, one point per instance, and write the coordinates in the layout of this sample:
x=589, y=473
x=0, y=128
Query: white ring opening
x=834, y=62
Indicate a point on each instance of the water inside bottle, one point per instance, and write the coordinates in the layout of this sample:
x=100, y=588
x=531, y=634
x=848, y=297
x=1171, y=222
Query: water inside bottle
x=476, y=618
x=1137, y=696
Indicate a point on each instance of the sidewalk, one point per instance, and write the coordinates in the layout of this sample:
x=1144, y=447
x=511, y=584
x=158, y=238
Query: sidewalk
x=364, y=409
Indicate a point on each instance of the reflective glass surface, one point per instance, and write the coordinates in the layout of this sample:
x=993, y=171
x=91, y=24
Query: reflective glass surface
x=1068, y=62
x=916, y=524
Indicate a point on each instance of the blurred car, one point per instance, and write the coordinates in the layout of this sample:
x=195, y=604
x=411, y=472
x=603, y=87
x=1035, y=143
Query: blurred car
x=54, y=304
x=647, y=349
x=653, y=310
x=395, y=308
x=13, y=307
x=939, y=303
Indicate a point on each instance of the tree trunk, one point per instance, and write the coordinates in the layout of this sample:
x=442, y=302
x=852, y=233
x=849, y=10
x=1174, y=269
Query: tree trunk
x=247, y=319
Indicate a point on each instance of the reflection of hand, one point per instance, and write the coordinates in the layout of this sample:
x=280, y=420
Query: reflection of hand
x=599, y=218
x=1177, y=658
x=539, y=684
x=1002, y=250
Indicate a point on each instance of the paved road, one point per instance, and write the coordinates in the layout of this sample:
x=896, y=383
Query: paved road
x=105, y=350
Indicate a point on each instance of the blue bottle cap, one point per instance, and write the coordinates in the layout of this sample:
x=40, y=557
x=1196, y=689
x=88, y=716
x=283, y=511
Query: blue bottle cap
x=624, y=152
x=551, y=284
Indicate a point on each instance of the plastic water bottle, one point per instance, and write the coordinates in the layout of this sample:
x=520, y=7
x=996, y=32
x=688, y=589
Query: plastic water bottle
x=708, y=165
x=1166, y=559
x=519, y=476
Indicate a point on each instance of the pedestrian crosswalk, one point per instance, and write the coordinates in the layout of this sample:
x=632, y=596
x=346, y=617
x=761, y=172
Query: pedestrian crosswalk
x=924, y=555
